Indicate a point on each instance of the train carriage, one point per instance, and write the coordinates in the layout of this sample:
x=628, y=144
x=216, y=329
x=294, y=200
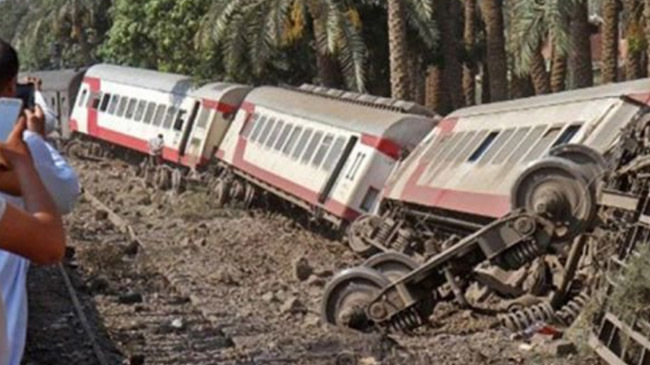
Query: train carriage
x=60, y=92
x=127, y=107
x=462, y=176
x=325, y=150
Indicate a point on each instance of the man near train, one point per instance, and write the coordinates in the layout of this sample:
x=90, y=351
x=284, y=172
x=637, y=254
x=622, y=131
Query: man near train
x=59, y=179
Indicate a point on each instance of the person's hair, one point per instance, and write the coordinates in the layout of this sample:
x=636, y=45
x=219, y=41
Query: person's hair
x=160, y=136
x=9, y=64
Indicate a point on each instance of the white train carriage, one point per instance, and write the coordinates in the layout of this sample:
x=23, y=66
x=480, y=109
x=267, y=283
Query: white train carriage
x=128, y=107
x=327, y=151
x=60, y=90
x=462, y=174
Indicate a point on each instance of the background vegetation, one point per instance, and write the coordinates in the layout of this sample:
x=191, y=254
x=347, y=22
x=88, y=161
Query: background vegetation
x=443, y=53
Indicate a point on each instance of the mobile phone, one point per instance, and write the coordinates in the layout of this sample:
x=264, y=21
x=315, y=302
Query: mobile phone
x=25, y=93
x=10, y=110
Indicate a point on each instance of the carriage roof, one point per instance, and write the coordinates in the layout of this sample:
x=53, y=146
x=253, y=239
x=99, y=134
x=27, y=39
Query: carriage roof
x=59, y=80
x=154, y=80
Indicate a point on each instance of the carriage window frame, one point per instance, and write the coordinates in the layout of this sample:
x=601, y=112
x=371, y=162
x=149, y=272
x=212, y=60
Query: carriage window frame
x=258, y=128
x=249, y=126
x=121, y=109
x=204, y=117
x=104, y=103
x=498, y=145
x=527, y=143
x=179, y=123
x=293, y=140
x=151, y=111
x=139, y=110
x=509, y=147
x=323, y=149
x=484, y=146
x=160, y=115
x=543, y=144
x=302, y=143
x=270, y=124
x=170, y=116
x=275, y=133
x=115, y=102
x=82, y=98
x=284, y=135
x=95, y=100
x=130, y=109
x=311, y=147
x=334, y=154
x=567, y=134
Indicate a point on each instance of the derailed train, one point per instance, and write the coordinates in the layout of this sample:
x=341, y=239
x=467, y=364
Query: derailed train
x=502, y=183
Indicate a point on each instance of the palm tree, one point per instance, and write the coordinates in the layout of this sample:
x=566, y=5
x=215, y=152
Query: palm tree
x=534, y=24
x=580, y=61
x=448, y=16
x=636, y=42
x=251, y=32
x=609, y=57
x=497, y=66
x=469, y=40
x=646, y=16
x=399, y=78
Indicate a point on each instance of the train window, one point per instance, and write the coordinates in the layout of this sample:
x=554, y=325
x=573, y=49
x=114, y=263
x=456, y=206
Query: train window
x=267, y=130
x=169, y=117
x=497, y=145
x=458, y=144
x=283, y=136
x=311, y=148
x=105, y=100
x=511, y=145
x=82, y=99
x=122, y=108
x=487, y=142
x=471, y=146
x=356, y=165
x=131, y=108
x=139, y=111
x=248, y=127
x=322, y=150
x=96, y=100
x=335, y=154
x=258, y=128
x=151, y=108
x=567, y=135
x=160, y=114
x=543, y=144
x=293, y=139
x=369, y=200
x=527, y=143
x=302, y=144
x=275, y=133
x=180, y=120
x=112, y=107
x=202, y=122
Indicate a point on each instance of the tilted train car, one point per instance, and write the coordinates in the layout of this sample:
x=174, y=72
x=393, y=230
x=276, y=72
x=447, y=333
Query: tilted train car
x=461, y=177
x=60, y=92
x=327, y=151
x=127, y=107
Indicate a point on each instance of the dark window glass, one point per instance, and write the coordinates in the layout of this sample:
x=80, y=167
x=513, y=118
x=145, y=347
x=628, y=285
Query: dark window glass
x=139, y=111
x=151, y=109
x=258, y=128
x=511, y=145
x=82, y=99
x=311, y=149
x=370, y=199
x=302, y=144
x=293, y=139
x=567, y=135
x=275, y=133
x=122, y=108
x=283, y=136
x=526, y=144
x=105, y=101
x=497, y=145
x=335, y=154
x=130, y=109
x=267, y=130
x=249, y=126
x=96, y=100
x=180, y=120
x=115, y=101
x=543, y=144
x=487, y=142
x=202, y=122
x=160, y=114
x=169, y=117
x=322, y=150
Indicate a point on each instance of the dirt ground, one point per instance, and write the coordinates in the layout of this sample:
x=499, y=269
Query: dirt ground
x=219, y=286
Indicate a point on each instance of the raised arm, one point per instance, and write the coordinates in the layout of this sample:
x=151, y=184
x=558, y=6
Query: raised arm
x=36, y=233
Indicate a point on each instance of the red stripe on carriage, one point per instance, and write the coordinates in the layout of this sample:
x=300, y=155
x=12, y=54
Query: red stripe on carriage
x=488, y=205
x=220, y=107
x=383, y=145
x=336, y=208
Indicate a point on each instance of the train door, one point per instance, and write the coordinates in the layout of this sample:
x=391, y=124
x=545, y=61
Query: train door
x=188, y=129
x=329, y=185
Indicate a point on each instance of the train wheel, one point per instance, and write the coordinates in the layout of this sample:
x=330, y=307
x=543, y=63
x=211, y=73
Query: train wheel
x=74, y=149
x=393, y=265
x=359, y=230
x=221, y=190
x=249, y=196
x=347, y=295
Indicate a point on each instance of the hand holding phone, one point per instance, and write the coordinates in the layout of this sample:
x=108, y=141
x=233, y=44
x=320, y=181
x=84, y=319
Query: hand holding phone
x=25, y=92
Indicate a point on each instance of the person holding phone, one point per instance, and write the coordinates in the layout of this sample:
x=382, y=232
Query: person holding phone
x=61, y=187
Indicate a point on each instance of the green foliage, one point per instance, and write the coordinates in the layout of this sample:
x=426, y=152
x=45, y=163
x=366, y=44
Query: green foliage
x=157, y=34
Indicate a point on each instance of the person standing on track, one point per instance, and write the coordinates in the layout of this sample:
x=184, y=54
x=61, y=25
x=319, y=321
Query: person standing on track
x=156, y=146
x=61, y=186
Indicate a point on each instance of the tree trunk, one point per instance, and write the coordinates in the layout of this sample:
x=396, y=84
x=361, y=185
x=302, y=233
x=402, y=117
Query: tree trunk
x=417, y=77
x=469, y=39
x=485, y=83
x=580, y=62
x=635, y=38
x=609, y=57
x=452, y=71
x=436, y=95
x=329, y=74
x=539, y=74
x=558, y=72
x=397, y=48
x=521, y=86
x=496, y=51
x=646, y=15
